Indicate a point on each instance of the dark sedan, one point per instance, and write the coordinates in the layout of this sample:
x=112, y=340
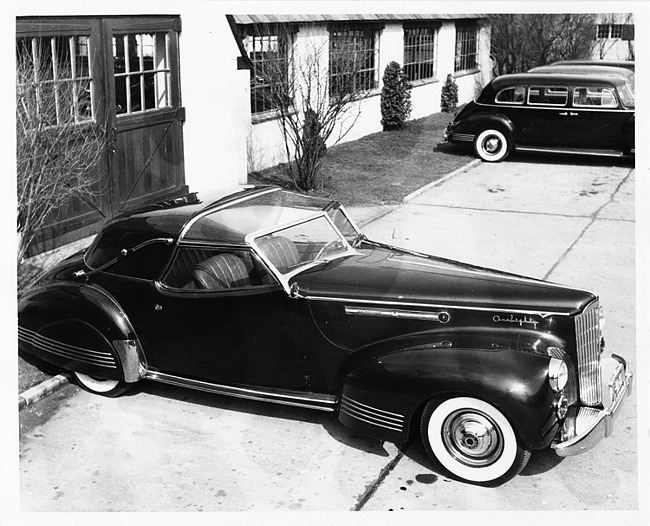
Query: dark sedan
x=579, y=110
x=278, y=297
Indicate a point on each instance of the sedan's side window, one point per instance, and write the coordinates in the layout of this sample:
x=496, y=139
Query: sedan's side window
x=548, y=95
x=594, y=97
x=514, y=95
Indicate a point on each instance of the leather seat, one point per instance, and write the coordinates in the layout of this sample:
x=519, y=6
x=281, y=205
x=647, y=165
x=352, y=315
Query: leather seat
x=223, y=271
x=280, y=251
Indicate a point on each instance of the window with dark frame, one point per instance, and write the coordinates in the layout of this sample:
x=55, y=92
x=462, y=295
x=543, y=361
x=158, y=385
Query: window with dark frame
x=141, y=71
x=603, y=31
x=616, y=31
x=269, y=48
x=57, y=70
x=420, y=52
x=354, y=59
x=466, y=46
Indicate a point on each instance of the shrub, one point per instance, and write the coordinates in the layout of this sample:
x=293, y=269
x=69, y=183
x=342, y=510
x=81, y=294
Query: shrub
x=449, y=95
x=395, y=98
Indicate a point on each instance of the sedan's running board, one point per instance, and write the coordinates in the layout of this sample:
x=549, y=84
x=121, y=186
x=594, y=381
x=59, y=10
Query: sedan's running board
x=293, y=398
x=549, y=149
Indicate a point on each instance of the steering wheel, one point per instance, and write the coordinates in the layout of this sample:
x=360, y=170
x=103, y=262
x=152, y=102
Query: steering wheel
x=332, y=245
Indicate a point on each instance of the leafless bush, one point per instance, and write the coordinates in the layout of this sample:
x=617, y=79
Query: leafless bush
x=57, y=152
x=316, y=95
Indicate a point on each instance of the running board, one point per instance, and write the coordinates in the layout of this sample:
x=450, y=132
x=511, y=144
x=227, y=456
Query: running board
x=600, y=153
x=293, y=398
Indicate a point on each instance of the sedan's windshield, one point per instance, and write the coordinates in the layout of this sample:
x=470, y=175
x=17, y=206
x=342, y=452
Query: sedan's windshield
x=626, y=93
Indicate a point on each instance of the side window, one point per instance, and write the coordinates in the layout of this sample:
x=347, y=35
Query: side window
x=548, y=95
x=594, y=97
x=514, y=95
x=200, y=268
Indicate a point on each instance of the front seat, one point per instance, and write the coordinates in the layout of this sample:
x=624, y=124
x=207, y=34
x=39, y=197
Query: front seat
x=223, y=271
x=280, y=251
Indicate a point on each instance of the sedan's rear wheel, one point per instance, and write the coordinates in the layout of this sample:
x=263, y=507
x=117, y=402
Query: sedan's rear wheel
x=491, y=146
x=101, y=386
x=473, y=440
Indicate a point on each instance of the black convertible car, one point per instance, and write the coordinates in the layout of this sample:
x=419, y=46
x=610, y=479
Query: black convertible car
x=274, y=296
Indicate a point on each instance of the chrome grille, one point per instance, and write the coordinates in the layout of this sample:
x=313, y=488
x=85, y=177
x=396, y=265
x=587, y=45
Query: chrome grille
x=588, y=350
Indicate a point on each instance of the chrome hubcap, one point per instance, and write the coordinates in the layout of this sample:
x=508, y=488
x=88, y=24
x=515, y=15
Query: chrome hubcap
x=472, y=438
x=492, y=144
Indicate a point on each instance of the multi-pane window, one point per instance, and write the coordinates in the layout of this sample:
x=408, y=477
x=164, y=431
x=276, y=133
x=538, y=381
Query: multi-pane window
x=54, y=78
x=603, y=31
x=353, y=60
x=141, y=72
x=269, y=51
x=466, y=47
x=616, y=31
x=420, y=52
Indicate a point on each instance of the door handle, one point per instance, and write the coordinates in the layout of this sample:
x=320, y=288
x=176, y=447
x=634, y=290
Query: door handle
x=563, y=113
x=573, y=114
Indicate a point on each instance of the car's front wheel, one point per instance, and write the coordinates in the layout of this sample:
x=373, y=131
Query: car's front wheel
x=101, y=386
x=491, y=145
x=473, y=440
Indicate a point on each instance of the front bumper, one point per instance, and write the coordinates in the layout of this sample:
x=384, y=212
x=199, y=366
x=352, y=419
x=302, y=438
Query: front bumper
x=584, y=427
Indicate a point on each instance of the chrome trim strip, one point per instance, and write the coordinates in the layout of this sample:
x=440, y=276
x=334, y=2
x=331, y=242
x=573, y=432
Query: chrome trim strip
x=371, y=415
x=292, y=398
x=442, y=317
x=71, y=352
x=552, y=107
x=570, y=150
x=434, y=305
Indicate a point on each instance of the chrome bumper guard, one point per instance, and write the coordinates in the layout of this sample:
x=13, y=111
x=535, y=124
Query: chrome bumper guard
x=587, y=426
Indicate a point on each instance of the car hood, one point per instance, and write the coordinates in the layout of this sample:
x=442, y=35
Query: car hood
x=383, y=274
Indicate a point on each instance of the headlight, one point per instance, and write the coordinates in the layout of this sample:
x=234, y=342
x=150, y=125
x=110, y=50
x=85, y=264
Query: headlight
x=558, y=374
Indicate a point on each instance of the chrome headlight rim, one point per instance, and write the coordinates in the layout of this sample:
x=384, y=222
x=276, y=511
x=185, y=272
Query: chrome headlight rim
x=558, y=374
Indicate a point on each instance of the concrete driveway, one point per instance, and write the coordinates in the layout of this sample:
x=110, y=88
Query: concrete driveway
x=168, y=449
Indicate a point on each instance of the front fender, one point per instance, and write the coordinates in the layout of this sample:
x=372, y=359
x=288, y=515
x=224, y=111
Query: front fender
x=81, y=328
x=382, y=394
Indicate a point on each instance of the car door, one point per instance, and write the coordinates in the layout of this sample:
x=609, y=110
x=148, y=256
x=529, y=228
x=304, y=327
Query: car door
x=546, y=116
x=596, y=119
x=245, y=334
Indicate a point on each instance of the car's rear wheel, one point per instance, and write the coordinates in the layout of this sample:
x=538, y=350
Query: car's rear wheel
x=473, y=440
x=491, y=146
x=101, y=386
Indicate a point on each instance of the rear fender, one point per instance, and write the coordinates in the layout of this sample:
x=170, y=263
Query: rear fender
x=80, y=328
x=480, y=121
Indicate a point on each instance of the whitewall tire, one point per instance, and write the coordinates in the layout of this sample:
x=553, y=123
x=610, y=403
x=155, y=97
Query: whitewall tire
x=473, y=440
x=491, y=146
x=101, y=386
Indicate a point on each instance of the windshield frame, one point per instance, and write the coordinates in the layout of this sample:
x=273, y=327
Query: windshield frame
x=284, y=278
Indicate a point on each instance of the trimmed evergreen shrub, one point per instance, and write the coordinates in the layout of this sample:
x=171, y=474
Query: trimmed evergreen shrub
x=449, y=95
x=395, y=98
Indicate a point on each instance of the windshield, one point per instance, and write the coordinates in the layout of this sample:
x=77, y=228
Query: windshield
x=303, y=244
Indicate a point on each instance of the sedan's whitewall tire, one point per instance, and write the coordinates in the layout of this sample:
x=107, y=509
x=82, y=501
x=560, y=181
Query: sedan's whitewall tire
x=491, y=146
x=473, y=440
